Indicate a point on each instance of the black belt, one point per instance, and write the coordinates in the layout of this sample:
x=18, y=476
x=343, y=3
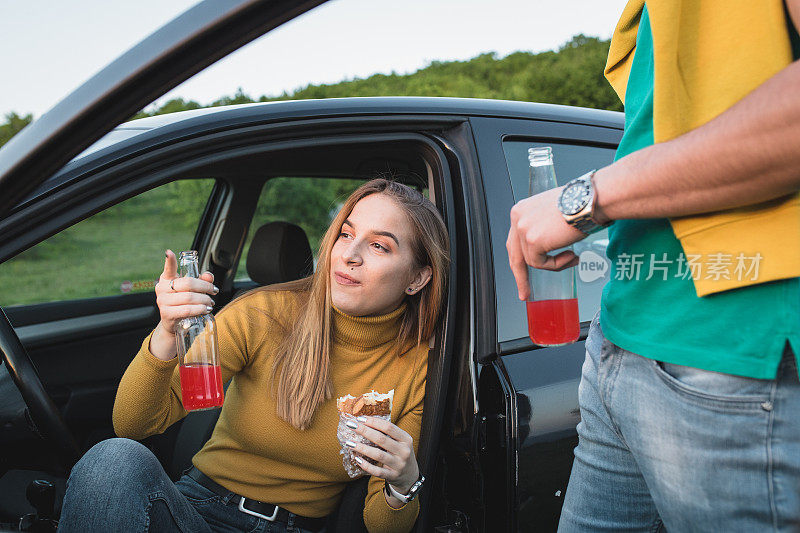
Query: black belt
x=264, y=510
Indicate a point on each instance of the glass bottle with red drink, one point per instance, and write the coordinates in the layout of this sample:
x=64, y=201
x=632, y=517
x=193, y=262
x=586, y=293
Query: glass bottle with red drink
x=200, y=371
x=553, y=302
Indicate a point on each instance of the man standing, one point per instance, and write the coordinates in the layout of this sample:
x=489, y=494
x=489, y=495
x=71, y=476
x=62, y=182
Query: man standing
x=690, y=399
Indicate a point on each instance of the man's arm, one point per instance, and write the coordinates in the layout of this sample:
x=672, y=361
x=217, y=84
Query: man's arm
x=746, y=155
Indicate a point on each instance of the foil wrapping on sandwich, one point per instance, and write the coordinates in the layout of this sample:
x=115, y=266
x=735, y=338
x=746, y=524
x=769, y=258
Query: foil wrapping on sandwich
x=369, y=404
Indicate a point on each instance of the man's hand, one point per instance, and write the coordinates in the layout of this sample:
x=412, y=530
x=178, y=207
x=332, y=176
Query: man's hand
x=538, y=227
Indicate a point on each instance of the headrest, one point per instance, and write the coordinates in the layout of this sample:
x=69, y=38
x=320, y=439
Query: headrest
x=279, y=252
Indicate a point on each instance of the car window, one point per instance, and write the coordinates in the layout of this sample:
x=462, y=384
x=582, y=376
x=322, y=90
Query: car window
x=311, y=203
x=570, y=161
x=117, y=251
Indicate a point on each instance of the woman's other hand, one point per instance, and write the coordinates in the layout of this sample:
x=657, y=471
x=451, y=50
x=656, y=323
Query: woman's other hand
x=395, y=452
x=178, y=298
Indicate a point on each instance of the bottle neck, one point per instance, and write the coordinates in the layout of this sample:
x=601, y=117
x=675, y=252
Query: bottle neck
x=542, y=178
x=542, y=173
x=188, y=265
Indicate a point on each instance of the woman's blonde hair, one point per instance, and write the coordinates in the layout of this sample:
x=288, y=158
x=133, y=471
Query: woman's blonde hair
x=302, y=361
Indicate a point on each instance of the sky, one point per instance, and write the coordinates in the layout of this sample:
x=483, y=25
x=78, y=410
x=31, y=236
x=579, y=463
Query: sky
x=51, y=47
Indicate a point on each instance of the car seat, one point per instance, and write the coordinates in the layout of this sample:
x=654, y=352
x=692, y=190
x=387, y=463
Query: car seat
x=279, y=252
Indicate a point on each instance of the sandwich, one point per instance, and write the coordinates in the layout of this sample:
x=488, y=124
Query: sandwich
x=368, y=404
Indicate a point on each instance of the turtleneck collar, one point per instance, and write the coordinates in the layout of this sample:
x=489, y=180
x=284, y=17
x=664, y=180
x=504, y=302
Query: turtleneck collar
x=367, y=331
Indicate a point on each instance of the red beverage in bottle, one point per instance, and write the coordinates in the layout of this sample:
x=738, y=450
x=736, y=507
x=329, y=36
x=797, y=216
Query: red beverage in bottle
x=196, y=344
x=553, y=322
x=201, y=386
x=552, y=305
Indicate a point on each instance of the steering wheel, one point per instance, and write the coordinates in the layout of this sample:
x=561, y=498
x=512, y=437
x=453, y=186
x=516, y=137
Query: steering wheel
x=44, y=413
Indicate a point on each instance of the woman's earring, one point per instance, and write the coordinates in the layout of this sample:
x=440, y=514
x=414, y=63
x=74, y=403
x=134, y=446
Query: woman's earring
x=410, y=290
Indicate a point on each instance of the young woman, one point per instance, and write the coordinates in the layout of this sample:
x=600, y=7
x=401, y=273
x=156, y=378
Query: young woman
x=362, y=322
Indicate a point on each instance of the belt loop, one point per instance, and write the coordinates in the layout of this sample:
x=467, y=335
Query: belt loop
x=290, y=521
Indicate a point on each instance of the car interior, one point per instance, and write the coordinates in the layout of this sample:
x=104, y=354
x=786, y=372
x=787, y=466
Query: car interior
x=80, y=347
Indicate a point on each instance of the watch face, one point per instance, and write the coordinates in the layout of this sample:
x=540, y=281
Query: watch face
x=575, y=197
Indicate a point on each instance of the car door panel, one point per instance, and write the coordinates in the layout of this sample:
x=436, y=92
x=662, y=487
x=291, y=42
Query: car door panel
x=79, y=360
x=533, y=390
x=545, y=384
x=69, y=329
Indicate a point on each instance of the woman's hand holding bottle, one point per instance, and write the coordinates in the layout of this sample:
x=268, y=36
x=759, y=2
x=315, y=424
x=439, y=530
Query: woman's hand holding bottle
x=178, y=298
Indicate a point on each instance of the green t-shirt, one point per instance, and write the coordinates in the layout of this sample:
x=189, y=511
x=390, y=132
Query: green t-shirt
x=741, y=331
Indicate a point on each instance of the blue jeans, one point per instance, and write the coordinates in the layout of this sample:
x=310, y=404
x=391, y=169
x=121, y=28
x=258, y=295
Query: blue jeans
x=665, y=446
x=119, y=485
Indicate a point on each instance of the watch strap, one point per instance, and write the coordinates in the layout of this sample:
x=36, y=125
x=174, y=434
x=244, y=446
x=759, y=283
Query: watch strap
x=405, y=498
x=587, y=225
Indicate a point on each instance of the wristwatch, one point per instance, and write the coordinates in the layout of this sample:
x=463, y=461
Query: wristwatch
x=405, y=498
x=576, y=203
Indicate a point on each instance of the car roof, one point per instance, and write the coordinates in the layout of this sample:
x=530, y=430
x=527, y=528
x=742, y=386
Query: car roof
x=403, y=104
x=182, y=122
x=366, y=105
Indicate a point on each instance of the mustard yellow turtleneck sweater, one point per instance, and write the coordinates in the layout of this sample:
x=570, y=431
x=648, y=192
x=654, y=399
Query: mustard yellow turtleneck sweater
x=253, y=452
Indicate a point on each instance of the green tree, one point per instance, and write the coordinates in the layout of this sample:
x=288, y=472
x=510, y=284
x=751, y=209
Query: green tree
x=239, y=98
x=571, y=75
x=13, y=125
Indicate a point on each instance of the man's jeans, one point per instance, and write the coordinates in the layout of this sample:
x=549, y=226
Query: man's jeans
x=669, y=446
x=119, y=485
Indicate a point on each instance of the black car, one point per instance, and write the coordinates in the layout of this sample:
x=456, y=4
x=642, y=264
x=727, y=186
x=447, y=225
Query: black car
x=78, y=233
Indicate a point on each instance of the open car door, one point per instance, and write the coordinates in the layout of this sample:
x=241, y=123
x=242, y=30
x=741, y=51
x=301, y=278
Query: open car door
x=185, y=46
x=194, y=40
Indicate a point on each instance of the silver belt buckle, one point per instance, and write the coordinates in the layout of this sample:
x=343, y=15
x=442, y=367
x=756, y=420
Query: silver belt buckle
x=253, y=513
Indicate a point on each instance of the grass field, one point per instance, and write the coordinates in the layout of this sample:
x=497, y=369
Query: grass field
x=93, y=258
